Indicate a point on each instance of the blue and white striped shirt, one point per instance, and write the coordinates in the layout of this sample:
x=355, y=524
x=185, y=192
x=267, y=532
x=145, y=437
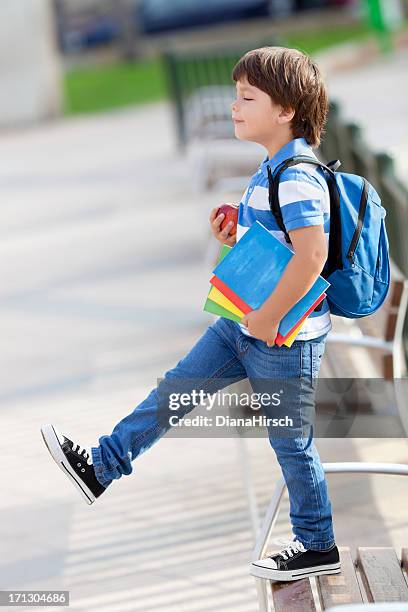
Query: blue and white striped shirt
x=304, y=201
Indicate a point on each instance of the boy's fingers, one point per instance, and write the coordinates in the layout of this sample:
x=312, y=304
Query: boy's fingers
x=224, y=233
x=218, y=220
x=213, y=214
x=221, y=235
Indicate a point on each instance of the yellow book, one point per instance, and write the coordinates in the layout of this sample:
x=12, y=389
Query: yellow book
x=219, y=298
x=289, y=341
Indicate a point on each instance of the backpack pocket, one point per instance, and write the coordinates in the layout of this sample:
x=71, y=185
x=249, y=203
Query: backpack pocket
x=351, y=289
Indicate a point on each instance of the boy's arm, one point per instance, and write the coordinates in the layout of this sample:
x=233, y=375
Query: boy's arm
x=309, y=244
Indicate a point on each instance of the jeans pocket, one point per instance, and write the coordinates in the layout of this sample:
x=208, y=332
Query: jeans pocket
x=264, y=348
x=317, y=349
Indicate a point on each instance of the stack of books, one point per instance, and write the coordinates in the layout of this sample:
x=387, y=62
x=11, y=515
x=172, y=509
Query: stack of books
x=246, y=275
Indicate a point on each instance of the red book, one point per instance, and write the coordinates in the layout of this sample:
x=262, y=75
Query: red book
x=235, y=299
x=279, y=340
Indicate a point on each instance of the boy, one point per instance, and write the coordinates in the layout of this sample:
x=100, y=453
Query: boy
x=282, y=104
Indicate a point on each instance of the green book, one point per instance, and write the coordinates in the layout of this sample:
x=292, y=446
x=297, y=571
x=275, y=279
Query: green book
x=216, y=309
x=213, y=307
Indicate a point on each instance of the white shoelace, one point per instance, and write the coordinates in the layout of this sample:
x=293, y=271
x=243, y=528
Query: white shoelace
x=290, y=547
x=84, y=452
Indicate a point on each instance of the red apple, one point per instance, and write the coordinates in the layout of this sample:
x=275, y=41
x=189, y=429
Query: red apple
x=231, y=214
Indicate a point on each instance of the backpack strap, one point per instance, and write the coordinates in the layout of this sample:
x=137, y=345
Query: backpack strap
x=273, y=185
x=334, y=259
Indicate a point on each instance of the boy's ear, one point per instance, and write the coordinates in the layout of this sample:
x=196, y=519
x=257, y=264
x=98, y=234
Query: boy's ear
x=286, y=115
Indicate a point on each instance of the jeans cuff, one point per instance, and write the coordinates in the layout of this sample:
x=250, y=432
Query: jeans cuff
x=99, y=468
x=320, y=546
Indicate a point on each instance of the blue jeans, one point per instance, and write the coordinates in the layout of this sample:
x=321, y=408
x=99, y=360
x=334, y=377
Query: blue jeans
x=223, y=353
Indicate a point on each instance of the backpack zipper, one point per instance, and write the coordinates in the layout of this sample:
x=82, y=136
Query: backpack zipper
x=359, y=227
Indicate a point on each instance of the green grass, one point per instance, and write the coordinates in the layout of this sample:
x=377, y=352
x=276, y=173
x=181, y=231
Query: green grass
x=105, y=87
x=93, y=89
x=315, y=40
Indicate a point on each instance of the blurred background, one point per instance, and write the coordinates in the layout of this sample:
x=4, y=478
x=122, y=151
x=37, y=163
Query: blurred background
x=116, y=141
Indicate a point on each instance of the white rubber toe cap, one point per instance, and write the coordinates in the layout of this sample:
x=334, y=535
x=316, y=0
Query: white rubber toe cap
x=267, y=563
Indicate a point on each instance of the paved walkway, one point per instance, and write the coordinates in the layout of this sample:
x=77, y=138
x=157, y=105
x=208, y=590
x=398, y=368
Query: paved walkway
x=99, y=225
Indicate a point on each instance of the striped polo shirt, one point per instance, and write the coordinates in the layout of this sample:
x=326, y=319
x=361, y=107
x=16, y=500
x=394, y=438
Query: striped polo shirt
x=304, y=201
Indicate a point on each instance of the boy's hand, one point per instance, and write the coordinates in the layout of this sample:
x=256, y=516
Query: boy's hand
x=221, y=235
x=261, y=327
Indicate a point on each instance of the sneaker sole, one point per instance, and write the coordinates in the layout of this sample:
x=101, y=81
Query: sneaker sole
x=271, y=574
x=52, y=443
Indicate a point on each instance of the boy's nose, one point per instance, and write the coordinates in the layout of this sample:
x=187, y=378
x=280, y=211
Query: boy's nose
x=233, y=106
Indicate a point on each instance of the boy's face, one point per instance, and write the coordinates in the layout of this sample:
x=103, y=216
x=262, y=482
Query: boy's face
x=256, y=117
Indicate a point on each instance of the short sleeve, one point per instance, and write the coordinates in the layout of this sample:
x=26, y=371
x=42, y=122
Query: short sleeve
x=244, y=196
x=302, y=199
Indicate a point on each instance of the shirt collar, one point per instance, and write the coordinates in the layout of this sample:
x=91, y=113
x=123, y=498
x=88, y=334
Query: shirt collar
x=297, y=146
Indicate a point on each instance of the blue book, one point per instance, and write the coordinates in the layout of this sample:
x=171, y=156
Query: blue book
x=252, y=270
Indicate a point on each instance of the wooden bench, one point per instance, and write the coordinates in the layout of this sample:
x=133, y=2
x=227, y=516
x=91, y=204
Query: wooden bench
x=376, y=575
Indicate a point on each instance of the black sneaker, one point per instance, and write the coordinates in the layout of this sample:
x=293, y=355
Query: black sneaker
x=295, y=561
x=75, y=461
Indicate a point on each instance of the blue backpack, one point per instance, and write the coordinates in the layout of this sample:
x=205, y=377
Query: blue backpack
x=358, y=263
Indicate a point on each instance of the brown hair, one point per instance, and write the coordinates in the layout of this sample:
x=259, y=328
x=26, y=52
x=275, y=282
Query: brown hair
x=292, y=80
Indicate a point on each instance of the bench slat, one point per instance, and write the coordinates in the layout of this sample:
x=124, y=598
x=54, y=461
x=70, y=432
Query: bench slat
x=336, y=589
x=391, y=325
x=296, y=596
x=382, y=323
x=397, y=286
x=381, y=574
x=388, y=367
